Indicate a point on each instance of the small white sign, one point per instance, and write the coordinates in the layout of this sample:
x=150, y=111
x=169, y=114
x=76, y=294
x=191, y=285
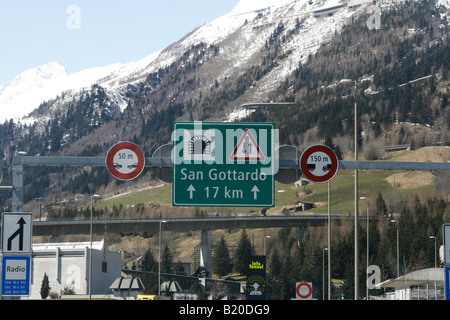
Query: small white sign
x=303, y=290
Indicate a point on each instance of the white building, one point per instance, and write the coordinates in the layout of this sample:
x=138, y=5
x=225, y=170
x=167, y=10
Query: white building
x=67, y=265
x=425, y=284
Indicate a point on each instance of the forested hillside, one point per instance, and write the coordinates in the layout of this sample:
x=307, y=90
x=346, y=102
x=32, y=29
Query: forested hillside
x=411, y=44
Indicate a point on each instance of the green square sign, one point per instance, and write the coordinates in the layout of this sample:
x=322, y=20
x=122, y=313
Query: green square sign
x=224, y=164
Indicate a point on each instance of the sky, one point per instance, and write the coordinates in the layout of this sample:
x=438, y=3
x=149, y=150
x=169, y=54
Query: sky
x=80, y=34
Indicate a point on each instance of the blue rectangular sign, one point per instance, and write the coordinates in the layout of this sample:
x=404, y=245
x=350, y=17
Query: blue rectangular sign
x=16, y=276
x=447, y=282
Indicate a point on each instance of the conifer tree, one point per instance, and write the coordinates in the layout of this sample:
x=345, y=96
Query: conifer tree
x=243, y=251
x=45, y=287
x=148, y=262
x=221, y=261
x=166, y=260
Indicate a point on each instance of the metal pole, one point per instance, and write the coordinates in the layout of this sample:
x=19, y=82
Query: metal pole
x=367, y=266
x=265, y=237
x=329, y=242
x=159, y=265
x=435, y=258
x=90, y=250
x=367, y=246
x=90, y=253
x=356, y=205
x=323, y=272
x=398, y=254
x=356, y=188
x=398, y=265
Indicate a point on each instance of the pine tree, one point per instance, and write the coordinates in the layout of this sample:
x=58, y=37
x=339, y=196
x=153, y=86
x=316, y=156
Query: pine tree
x=166, y=260
x=148, y=262
x=221, y=261
x=45, y=287
x=381, y=205
x=243, y=251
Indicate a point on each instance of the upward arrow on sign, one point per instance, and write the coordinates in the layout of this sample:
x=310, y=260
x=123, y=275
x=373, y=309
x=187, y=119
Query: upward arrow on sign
x=19, y=232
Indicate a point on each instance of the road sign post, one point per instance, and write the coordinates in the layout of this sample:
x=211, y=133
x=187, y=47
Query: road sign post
x=319, y=163
x=224, y=164
x=125, y=161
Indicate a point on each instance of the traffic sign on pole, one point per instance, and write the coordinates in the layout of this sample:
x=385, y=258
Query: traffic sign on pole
x=17, y=233
x=224, y=164
x=319, y=163
x=303, y=290
x=125, y=161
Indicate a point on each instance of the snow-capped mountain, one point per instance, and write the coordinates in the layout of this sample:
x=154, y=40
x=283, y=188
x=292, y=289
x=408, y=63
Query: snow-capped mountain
x=241, y=34
x=294, y=51
x=29, y=89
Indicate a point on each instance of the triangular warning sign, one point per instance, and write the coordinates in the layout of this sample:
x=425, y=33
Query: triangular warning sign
x=247, y=149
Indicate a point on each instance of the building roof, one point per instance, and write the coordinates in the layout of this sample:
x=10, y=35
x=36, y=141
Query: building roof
x=96, y=245
x=305, y=202
x=125, y=283
x=415, y=278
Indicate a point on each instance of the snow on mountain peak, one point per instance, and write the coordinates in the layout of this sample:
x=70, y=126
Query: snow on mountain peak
x=245, y=6
x=28, y=90
x=36, y=77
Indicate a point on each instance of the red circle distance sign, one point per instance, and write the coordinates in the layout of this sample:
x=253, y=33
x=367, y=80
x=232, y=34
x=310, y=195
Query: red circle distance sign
x=319, y=163
x=125, y=161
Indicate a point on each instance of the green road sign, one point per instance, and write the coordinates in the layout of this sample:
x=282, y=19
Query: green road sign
x=224, y=164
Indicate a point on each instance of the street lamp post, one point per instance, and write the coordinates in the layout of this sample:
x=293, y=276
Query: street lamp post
x=323, y=273
x=398, y=264
x=39, y=199
x=345, y=81
x=367, y=245
x=435, y=258
x=265, y=237
x=90, y=250
x=159, y=266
